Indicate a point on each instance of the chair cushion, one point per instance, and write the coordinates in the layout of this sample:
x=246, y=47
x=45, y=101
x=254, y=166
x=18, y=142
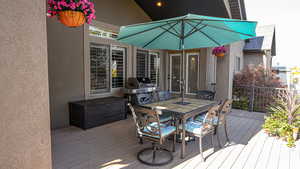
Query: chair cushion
x=193, y=127
x=200, y=118
x=164, y=129
x=165, y=117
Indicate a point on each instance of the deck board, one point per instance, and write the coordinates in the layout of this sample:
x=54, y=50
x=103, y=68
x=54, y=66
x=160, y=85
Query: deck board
x=115, y=146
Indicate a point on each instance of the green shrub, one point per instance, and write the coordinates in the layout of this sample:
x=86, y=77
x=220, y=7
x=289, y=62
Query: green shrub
x=284, y=118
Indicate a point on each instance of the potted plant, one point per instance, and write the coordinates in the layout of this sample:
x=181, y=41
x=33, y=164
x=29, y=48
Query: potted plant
x=284, y=120
x=219, y=51
x=72, y=13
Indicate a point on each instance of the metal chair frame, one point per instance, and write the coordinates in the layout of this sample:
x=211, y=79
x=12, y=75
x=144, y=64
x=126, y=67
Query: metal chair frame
x=224, y=110
x=143, y=118
x=207, y=127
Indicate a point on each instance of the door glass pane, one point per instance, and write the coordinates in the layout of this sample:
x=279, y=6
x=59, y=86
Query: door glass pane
x=154, y=68
x=175, y=73
x=142, y=63
x=118, y=67
x=192, y=73
x=100, y=68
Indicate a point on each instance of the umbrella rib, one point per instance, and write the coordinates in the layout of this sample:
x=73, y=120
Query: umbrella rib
x=175, y=30
x=142, y=31
x=166, y=30
x=195, y=29
x=210, y=38
x=226, y=29
x=215, y=20
x=177, y=35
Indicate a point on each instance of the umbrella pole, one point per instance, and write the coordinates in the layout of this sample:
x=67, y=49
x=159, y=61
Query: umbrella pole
x=182, y=77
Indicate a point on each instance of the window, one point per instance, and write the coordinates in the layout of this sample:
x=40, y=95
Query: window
x=238, y=64
x=148, y=65
x=118, y=67
x=99, y=68
x=154, y=65
x=142, y=63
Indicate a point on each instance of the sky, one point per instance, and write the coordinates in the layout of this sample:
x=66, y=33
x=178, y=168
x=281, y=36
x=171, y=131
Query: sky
x=285, y=15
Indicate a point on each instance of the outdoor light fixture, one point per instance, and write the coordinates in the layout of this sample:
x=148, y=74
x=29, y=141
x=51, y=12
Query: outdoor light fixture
x=159, y=4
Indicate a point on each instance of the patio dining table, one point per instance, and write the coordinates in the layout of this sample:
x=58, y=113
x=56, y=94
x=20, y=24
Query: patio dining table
x=182, y=112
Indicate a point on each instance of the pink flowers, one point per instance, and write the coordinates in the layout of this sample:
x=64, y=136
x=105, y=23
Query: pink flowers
x=85, y=6
x=220, y=49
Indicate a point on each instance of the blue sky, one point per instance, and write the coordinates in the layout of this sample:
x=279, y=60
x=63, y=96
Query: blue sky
x=285, y=14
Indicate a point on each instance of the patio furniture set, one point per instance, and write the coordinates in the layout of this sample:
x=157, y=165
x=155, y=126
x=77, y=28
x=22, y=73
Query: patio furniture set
x=162, y=117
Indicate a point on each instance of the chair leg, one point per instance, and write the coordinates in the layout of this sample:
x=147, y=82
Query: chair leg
x=226, y=134
x=212, y=141
x=218, y=138
x=154, y=153
x=174, y=142
x=141, y=140
x=201, y=150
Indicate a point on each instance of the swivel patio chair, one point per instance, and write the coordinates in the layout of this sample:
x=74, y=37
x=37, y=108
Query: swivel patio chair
x=225, y=109
x=201, y=129
x=148, y=127
x=147, y=98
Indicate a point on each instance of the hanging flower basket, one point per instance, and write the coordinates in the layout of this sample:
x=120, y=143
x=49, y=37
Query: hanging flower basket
x=71, y=18
x=72, y=13
x=219, y=51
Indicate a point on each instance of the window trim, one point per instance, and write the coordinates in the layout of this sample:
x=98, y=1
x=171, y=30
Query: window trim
x=124, y=68
x=87, y=73
x=90, y=94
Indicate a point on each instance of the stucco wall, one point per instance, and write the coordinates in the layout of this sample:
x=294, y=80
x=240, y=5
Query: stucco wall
x=120, y=12
x=66, y=55
x=225, y=71
x=25, y=119
x=66, y=69
x=253, y=58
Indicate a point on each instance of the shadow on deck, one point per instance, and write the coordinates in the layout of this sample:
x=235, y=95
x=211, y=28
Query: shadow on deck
x=115, y=146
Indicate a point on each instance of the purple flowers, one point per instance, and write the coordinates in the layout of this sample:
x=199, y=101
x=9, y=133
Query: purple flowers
x=85, y=6
x=220, y=49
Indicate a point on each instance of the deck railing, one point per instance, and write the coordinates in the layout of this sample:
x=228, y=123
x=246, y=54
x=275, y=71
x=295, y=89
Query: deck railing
x=255, y=98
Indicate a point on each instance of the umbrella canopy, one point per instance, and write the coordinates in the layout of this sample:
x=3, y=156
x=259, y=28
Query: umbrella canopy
x=187, y=32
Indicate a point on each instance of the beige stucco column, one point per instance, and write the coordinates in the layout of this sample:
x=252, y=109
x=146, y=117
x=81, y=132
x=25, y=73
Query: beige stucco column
x=24, y=109
x=225, y=70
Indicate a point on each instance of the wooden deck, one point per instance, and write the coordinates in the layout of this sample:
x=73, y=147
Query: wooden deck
x=115, y=146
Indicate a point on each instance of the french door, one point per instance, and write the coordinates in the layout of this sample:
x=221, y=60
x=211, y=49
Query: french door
x=191, y=73
x=175, y=75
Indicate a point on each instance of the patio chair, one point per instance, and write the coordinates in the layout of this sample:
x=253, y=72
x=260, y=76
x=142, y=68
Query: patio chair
x=163, y=96
x=206, y=94
x=201, y=129
x=225, y=109
x=148, y=127
x=147, y=98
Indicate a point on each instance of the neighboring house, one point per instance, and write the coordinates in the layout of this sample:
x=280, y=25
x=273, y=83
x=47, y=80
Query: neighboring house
x=261, y=49
x=70, y=51
x=283, y=73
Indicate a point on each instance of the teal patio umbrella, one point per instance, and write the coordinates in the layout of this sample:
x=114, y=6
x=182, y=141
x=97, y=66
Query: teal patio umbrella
x=187, y=32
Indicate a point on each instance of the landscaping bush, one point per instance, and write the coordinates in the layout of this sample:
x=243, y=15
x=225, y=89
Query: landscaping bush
x=258, y=83
x=284, y=119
